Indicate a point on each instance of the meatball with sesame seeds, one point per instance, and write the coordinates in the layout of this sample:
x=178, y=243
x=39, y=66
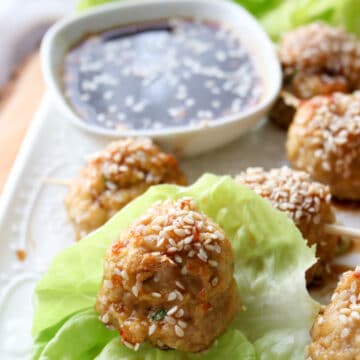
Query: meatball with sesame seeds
x=317, y=59
x=169, y=280
x=324, y=140
x=114, y=177
x=336, y=331
x=306, y=202
x=304, y=86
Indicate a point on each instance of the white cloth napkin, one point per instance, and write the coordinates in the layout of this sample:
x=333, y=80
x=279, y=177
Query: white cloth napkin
x=22, y=25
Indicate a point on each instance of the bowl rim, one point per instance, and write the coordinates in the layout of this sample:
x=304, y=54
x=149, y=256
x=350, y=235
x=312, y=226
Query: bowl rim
x=51, y=38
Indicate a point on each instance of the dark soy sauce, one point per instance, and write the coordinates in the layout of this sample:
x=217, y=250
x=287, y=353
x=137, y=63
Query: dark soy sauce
x=164, y=74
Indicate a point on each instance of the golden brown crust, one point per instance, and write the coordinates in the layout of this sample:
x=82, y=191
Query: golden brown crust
x=114, y=177
x=304, y=86
x=169, y=280
x=324, y=140
x=317, y=59
x=319, y=48
x=336, y=331
x=306, y=202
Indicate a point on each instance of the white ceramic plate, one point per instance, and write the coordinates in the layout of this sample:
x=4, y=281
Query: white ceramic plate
x=32, y=216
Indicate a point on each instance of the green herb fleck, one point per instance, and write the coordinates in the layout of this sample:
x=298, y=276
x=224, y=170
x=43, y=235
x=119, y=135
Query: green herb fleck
x=105, y=179
x=159, y=315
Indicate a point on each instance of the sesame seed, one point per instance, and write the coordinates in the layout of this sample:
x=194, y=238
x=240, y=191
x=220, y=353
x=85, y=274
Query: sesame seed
x=343, y=319
x=172, y=242
x=172, y=310
x=213, y=263
x=105, y=319
x=182, y=324
x=179, y=284
x=156, y=294
x=152, y=329
x=180, y=232
x=108, y=284
x=189, y=220
x=188, y=239
x=345, y=311
x=135, y=290
x=172, y=296
x=191, y=253
x=118, y=272
x=127, y=344
x=355, y=315
x=170, y=320
x=179, y=295
x=202, y=255
x=288, y=190
x=345, y=333
x=179, y=331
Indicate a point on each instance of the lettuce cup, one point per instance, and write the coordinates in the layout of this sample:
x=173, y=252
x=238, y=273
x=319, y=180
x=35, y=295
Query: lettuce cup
x=198, y=272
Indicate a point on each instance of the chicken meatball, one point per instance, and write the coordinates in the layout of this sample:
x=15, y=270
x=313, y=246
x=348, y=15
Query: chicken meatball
x=336, y=331
x=317, y=59
x=114, y=177
x=304, y=86
x=306, y=202
x=324, y=140
x=168, y=280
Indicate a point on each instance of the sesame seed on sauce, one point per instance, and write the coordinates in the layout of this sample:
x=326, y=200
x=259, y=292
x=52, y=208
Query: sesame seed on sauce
x=176, y=72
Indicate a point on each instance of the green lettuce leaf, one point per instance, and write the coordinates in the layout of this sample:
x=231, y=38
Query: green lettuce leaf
x=278, y=16
x=81, y=337
x=271, y=258
x=86, y=4
x=232, y=343
x=291, y=14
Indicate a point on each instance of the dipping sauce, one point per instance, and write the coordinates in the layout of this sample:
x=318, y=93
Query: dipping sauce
x=164, y=74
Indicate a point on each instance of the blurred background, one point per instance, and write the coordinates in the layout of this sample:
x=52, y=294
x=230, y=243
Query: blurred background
x=23, y=23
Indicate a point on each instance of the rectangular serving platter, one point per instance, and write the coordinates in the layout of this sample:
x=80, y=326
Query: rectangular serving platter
x=33, y=222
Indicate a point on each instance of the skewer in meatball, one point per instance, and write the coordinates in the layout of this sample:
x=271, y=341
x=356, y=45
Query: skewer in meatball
x=169, y=280
x=306, y=202
x=324, y=140
x=336, y=331
x=317, y=59
x=114, y=177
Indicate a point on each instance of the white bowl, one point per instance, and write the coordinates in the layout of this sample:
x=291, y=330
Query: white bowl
x=189, y=140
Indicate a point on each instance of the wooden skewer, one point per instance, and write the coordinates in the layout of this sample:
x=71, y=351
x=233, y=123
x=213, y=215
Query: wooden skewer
x=341, y=230
x=56, y=181
x=290, y=99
